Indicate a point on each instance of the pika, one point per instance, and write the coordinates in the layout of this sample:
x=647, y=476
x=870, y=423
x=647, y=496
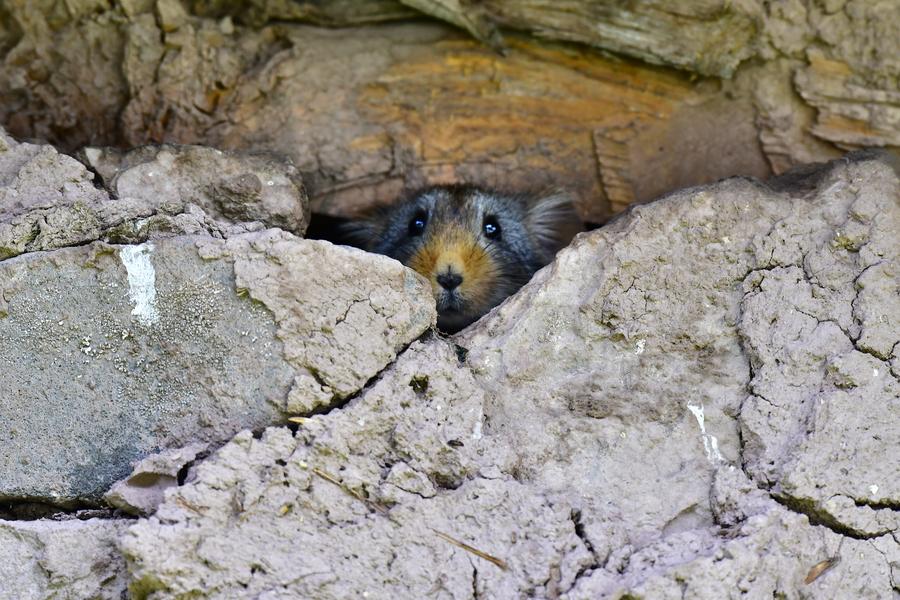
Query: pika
x=475, y=246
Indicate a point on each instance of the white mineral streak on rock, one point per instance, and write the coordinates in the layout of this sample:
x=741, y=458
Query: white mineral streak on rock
x=710, y=443
x=141, y=281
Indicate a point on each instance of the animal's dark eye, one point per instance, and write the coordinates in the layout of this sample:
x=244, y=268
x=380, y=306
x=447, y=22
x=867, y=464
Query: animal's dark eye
x=491, y=228
x=418, y=222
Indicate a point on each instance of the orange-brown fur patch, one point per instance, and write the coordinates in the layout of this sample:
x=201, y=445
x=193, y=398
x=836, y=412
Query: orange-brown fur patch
x=457, y=249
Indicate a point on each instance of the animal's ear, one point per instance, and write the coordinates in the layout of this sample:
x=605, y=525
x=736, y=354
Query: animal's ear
x=552, y=222
x=362, y=231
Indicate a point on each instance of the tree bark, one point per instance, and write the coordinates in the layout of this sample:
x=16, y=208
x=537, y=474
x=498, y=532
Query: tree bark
x=367, y=112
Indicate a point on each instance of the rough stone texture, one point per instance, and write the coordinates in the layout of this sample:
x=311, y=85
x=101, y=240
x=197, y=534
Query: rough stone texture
x=60, y=76
x=670, y=409
x=61, y=560
x=828, y=302
x=381, y=128
x=48, y=200
x=713, y=37
x=139, y=348
x=228, y=187
x=342, y=316
x=414, y=443
x=764, y=552
x=143, y=491
x=421, y=103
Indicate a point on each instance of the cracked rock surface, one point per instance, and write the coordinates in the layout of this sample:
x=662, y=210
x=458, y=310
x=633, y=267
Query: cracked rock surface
x=698, y=400
x=820, y=322
x=229, y=187
x=48, y=200
x=61, y=559
x=112, y=352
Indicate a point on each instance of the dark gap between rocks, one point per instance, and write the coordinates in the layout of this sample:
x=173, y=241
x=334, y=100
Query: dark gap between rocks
x=818, y=517
x=26, y=510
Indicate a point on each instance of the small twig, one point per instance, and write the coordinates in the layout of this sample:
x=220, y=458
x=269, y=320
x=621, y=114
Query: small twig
x=181, y=501
x=331, y=479
x=491, y=559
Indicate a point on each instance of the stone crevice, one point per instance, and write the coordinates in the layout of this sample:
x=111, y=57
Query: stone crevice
x=817, y=516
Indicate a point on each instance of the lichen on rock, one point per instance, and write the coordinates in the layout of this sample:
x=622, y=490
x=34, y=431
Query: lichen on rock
x=145, y=347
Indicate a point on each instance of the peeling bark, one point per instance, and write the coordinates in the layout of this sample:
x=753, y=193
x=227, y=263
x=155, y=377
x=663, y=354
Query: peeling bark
x=367, y=112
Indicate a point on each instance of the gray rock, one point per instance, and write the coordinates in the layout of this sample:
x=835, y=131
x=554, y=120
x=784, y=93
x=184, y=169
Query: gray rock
x=61, y=560
x=819, y=318
x=45, y=199
x=143, y=491
x=365, y=493
x=229, y=187
x=592, y=433
x=48, y=200
x=772, y=553
x=342, y=313
x=142, y=348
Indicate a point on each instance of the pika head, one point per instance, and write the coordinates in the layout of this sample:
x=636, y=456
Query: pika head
x=474, y=246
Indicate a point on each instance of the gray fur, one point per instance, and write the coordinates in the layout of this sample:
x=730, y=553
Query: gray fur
x=532, y=231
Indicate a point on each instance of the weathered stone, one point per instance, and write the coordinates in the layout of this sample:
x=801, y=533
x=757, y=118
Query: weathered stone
x=65, y=560
x=334, y=13
x=141, y=348
x=409, y=435
x=340, y=317
x=419, y=103
x=171, y=14
x=45, y=199
x=228, y=187
x=142, y=491
x=48, y=200
x=853, y=81
x=819, y=319
x=769, y=552
x=593, y=432
x=59, y=71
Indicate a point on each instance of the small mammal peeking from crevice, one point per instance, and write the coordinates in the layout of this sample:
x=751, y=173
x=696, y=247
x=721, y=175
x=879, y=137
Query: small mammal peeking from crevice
x=475, y=246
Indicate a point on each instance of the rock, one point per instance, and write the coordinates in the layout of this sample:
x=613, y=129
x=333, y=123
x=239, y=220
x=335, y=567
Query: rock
x=341, y=13
x=819, y=320
x=229, y=187
x=171, y=15
x=60, y=75
x=670, y=408
x=810, y=80
x=770, y=554
x=145, y=488
x=366, y=493
x=48, y=200
x=142, y=348
x=342, y=314
x=45, y=199
x=40, y=560
x=635, y=30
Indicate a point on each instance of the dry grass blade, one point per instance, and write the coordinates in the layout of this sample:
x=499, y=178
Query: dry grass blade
x=491, y=559
x=332, y=479
x=299, y=420
x=182, y=502
x=820, y=568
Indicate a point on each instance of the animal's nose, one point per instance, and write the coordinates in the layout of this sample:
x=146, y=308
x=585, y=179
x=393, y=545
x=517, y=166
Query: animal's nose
x=449, y=280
